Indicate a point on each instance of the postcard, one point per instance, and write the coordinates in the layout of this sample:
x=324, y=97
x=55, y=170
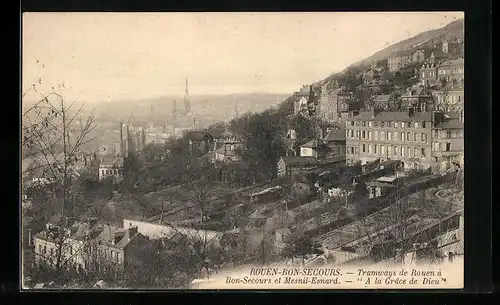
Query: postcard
x=269, y=150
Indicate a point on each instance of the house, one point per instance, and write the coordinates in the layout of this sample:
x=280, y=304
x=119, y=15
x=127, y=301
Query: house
x=403, y=59
x=450, y=98
x=300, y=102
x=451, y=71
x=380, y=187
x=200, y=142
x=335, y=140
x=288, y=166
x=418, y=98
x=313, y=148
x=418, y=139
x=382, y=101
x=307, y=100
x=85, y=244
x=428, y=74
x=111, y=167
x=447, y=140
x=346, y=103
x=227, y=149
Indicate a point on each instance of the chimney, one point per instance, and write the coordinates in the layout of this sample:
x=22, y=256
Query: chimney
x=132, y=231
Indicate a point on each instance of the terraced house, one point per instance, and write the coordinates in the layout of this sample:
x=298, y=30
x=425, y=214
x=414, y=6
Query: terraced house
x=418, y=139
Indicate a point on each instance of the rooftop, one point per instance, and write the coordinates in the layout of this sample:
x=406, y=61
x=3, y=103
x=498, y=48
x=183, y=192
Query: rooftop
x=334, y=135
x=452, y=62
x=300, y=160
x=393, y=116
x=311, y=144
x=451, y=123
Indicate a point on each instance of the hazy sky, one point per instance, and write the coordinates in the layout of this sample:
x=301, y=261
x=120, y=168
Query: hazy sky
x=108, y=56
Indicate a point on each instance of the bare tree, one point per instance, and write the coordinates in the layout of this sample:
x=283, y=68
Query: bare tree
x=50, y=133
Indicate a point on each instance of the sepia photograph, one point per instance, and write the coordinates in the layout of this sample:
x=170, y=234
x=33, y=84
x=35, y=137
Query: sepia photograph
x=242, y=150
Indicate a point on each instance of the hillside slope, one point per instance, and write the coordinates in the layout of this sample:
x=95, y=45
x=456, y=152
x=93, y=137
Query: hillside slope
x=454, y=29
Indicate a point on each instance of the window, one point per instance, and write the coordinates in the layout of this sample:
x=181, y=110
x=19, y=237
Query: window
x=396, y=136
x=363, y=149
x=117, y=256
x=415, y=152
x=389, y=150
x=363, y=134
x=415, y=137
x=396, y=124
x=375, y=149
x=402, y=151
x=370, y=123
x=448, y=134
x=448, y=146
x=369, y=148
x=402, y=124
x=357, y=123
x=422, y=152
x=424, y=138
x=402, y=137
x=369, y=135
x=352, y=123
x=408, y=136
x=382, y=135
x=396, y=150
x=435, y=146
x=388, y=124
x=352, y=133
x=357, y=134
x=408, y=151
x=416, y=124
x=436, y=134
x=363, y=124
x=382, y=149
x=376, y=135
x=389, y=136
x=375, y=123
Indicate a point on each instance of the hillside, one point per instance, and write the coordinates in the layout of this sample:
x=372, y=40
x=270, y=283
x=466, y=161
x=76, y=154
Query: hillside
x=454, y=29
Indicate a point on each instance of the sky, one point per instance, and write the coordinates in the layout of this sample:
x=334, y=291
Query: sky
x=110, y=56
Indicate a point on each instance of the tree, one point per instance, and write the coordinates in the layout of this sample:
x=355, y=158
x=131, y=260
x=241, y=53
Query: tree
x=299, y=245
x=393, y=234
x=50, y=135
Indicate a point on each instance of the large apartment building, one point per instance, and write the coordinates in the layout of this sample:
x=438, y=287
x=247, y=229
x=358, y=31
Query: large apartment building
x=418, y=139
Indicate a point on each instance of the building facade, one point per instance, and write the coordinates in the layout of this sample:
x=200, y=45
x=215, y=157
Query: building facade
x=404, y=59
x=451, y=71
x=83, y=245
x=410, y=137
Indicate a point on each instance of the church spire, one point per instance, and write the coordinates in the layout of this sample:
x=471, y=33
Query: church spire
x=187, y=106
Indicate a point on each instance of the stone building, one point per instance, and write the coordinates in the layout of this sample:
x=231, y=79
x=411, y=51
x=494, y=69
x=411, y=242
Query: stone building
x=418, y=139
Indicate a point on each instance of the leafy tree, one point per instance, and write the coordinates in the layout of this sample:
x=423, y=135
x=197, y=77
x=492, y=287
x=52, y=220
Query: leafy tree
x=300, y=245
